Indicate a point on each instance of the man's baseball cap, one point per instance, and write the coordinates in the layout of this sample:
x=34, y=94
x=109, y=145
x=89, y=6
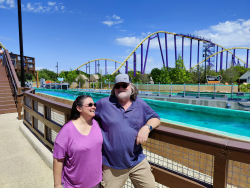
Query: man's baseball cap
x=122, y=78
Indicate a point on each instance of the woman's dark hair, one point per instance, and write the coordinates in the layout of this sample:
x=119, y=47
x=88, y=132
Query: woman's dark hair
x=75, y=114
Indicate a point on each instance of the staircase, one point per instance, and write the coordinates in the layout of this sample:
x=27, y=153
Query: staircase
x=7, y=101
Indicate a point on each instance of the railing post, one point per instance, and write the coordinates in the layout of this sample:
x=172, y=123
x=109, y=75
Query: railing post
x=171, y=90
x=94, y=85
x=199, y=90
x=220, y=172
x=159, y=88
x=184, y=90
x=214, y=90
x=232, y=91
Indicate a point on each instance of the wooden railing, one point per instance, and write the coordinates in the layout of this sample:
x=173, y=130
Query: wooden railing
x=226, y=163
x=29, y=63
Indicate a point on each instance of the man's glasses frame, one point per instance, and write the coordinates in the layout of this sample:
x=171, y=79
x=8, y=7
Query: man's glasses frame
x=124, y=86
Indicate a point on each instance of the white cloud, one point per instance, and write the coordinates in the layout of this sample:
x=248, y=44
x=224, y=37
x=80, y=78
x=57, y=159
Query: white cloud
x=116, y=17
x=51, y=3
x=8, y=4
x=39, y=68
x=110, y=22
x=229, y=33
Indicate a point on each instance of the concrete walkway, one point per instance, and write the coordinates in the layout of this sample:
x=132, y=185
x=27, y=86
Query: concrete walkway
x=20, y=165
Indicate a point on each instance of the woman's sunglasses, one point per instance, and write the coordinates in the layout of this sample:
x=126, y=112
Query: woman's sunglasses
x=117, y=86
x=90, y=104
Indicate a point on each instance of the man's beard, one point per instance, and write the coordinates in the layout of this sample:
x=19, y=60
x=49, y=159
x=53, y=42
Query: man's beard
x=124, y=95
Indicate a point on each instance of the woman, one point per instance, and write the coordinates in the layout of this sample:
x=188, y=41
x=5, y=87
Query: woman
x=77, y=149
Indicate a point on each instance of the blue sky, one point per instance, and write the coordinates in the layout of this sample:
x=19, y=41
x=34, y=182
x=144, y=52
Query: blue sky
x=74, y=32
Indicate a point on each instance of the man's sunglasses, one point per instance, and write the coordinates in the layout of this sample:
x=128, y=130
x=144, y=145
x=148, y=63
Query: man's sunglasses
x=117, y=86
x=90, y=104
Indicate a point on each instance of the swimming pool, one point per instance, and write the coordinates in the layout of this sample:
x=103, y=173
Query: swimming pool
x=233, y=123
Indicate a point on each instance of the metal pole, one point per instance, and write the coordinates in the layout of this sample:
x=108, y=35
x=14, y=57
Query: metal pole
x=190, y=54
x=216, y=57
x=161, y=50
x=182, y=50
x=144, y=67
x=134, y=64
x=221, y=59
x=198, y=67
x=126, y=68
x=95, y=66
x=21, y=41
x=166, y=46
x=109, y=85
x=105, y=67
x=142, y=59
x=247, y=57
x=184, y=90
x=199, y=91
x=171, y=90
x=234, y=57
x=205, y=65
x=232, y=91
x=79, y=85
x=94, y=85
x=226, y=60
x=175, y=48
x=101, y=86
x=214, y=90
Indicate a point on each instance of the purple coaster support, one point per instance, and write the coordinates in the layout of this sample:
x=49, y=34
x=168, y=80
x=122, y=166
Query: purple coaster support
x=134, y=64
x=221, y=58
x=175, y=48
x=166, y=46
x=217, y=57
x=247, y=57
x=86, y=68
x=142, y=59
x=106, y=67
x=209, y=62
x=95, y=68
x=161, y=50
x=234, y=58
x=126, y=68
x=144, y=67
x=198, y=53
x=190, y=53
x=238, y=62
x=226, y=60
x=182, y=48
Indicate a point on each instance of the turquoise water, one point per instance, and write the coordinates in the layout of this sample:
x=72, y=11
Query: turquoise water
x=228, y=122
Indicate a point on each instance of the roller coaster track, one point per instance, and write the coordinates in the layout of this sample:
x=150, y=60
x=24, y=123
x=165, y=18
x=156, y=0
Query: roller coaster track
x=220, y=52
x=102, y=59
x=2, y=46
x=181, y=35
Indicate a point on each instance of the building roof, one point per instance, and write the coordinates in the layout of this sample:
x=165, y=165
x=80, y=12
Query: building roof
x=96, y=76
x=246, y=75
x=83, y=76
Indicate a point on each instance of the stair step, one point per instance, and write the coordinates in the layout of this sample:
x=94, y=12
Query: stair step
x=6, y=98
x=3, y=78
x=6, y=95
x=4, y=84
x=8, y=106
x=11, y=110
x=7, y=102
x=5, y=90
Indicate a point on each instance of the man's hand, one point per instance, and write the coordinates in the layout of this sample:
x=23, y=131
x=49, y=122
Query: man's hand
x=142, y=135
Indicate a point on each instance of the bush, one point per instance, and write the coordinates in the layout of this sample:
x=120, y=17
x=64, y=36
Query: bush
x=81, y=80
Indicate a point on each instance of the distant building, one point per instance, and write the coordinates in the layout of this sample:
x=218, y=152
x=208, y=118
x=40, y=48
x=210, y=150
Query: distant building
x=245, y=78
x=83, y=76
x=94, y=78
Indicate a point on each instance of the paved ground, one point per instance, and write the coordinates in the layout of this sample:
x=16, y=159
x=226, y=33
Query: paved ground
x=20, y=165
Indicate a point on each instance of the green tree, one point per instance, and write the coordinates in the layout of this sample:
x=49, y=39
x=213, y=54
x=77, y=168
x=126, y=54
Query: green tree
x=179, y=74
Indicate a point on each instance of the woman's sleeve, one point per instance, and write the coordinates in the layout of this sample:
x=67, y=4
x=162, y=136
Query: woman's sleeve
x=61, y=143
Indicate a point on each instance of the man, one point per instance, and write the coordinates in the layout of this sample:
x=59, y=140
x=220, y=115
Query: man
x=1, y=56
x=126, y=121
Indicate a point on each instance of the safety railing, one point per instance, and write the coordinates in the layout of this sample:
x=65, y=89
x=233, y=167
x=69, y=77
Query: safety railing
x=29, y=62
x=178, y=158
x=11, y=73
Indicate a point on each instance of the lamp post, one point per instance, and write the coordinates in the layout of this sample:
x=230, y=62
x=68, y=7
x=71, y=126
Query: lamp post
x=21, y=40
x=57, y=68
